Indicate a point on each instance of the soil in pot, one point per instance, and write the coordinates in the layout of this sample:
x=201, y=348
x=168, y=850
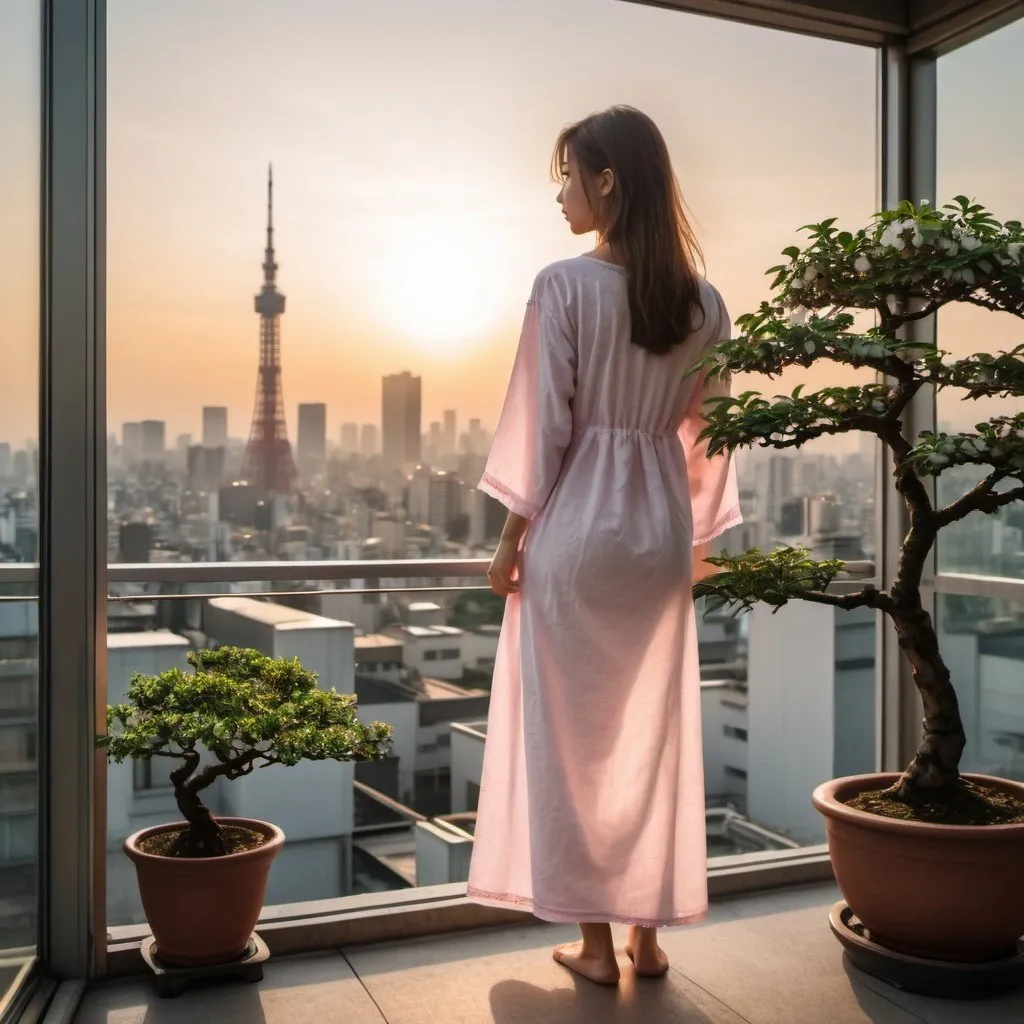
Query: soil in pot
x=963, y=804
x=175, y=843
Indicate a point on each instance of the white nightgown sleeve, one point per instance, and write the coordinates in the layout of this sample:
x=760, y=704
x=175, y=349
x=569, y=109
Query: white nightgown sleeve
x=536, y=421
x=714, y=493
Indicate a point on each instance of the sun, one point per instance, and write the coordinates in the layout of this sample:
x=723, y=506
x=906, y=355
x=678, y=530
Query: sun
x=441, y=286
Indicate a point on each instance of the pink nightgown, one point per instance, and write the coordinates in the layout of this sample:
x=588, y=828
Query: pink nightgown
x=592, y=797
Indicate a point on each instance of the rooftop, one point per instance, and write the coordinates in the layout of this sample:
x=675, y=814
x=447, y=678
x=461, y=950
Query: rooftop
x=378, y=640
x=150, y=638
x=272, y=614
x=760, y=959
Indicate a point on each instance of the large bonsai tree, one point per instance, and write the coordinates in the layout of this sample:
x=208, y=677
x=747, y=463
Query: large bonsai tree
x=904, y=266
x=237, y=711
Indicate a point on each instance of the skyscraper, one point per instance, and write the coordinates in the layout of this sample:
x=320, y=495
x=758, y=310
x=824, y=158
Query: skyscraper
x=445, y=500
x=450, y=434
x=131, y=441
x=369, y=442
x=401, y=413
x=312, y=440
x=215, y=426
x=780, y=486
x=154, y=439
x=349, y=438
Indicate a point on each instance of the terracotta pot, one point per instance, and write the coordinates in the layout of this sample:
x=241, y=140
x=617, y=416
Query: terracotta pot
x=945, y=892
x=203, y=909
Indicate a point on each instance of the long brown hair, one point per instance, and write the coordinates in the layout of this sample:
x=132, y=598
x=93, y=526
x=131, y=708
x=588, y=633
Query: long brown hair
x=645, y=221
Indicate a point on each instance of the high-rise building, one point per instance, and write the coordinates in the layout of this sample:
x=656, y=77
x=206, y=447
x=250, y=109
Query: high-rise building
x=780, y=486
x=349, y=438
x=450, y=435
x=369, y=442
x=215, y=426
x=131, y=441
x=205, y=467
x=445, y=499
x=5, y=459
x=312, y=439
x=154, y=439
x=401, y=413
x=435, y=442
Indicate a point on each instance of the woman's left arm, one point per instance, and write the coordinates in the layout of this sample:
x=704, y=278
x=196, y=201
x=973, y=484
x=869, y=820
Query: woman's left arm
x=504, y=572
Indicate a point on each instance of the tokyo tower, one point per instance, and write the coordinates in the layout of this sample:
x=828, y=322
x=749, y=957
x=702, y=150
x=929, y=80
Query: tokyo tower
x=268, y=456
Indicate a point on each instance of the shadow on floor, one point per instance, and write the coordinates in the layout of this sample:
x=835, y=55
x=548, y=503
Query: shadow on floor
x=646, y=1002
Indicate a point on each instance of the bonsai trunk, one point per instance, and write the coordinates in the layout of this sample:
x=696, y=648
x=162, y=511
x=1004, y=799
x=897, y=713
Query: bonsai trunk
x=204, y=837
x=934, y=771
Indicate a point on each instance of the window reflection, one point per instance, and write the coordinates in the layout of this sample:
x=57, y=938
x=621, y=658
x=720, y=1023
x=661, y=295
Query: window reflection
x=980, y=148
x=20, y=121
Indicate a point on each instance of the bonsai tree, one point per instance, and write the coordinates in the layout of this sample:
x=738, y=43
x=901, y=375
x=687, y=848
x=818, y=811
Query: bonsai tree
x=904, y=266
x=246, y=710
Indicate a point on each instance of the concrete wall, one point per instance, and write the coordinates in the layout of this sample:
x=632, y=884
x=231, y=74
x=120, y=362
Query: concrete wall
x=479, y=648
x=723, y=705
x=791, y=688
x=467, y=764
x=403, y=717
x=442, y=856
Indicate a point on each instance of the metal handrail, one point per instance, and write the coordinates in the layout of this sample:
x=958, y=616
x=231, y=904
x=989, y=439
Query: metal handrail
x=186, y=573
x=289, y=571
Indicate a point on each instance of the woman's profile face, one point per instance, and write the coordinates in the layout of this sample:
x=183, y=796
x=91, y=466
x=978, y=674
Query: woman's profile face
x=573, y=199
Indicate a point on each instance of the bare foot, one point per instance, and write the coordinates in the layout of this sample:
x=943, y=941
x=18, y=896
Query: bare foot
x=649, y=960
x=600, y=969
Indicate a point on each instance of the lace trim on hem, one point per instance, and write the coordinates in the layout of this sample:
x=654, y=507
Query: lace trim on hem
x=511, y=500
x=732, y=518
x=572, y=917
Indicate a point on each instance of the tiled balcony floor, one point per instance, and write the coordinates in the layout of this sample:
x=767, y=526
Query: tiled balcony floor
x=764, y=959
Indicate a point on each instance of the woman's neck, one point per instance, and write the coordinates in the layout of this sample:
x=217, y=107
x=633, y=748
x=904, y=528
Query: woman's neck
x=603, y=251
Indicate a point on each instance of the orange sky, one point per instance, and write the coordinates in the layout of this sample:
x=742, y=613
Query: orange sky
x=410, y=145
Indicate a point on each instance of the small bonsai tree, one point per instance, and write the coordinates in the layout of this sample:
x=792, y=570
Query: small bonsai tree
x=904, y=266
x=246, y=710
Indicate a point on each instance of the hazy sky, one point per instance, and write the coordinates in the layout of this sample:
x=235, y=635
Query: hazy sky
x=410, y=145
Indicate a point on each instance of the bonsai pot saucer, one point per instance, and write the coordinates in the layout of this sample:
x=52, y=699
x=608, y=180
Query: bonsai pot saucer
x=172, y=979
x=939, y=978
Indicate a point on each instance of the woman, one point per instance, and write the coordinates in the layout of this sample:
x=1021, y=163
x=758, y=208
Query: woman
x=592, y=797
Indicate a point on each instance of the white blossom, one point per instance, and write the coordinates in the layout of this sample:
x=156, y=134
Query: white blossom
x=937, y=460
x=969, y=242
x=809, y=347
x=796, y=284
x=892, y=238
x=1014, y=250
x=878, y=405
x=948, y=245
x=862, y=264
x=812, y=272
x=799, y=316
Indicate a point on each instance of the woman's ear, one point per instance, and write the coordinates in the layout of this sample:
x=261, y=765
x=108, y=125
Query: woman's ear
x=605, y=183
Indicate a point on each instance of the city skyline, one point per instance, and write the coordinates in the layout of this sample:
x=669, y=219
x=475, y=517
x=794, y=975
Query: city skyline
x=414, y=211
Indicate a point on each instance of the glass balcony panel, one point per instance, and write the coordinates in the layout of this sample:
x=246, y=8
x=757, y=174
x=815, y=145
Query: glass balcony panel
x=787, y=701
x=20, y=214
x=982, y=640
x=979, y=150
x=393, y=270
